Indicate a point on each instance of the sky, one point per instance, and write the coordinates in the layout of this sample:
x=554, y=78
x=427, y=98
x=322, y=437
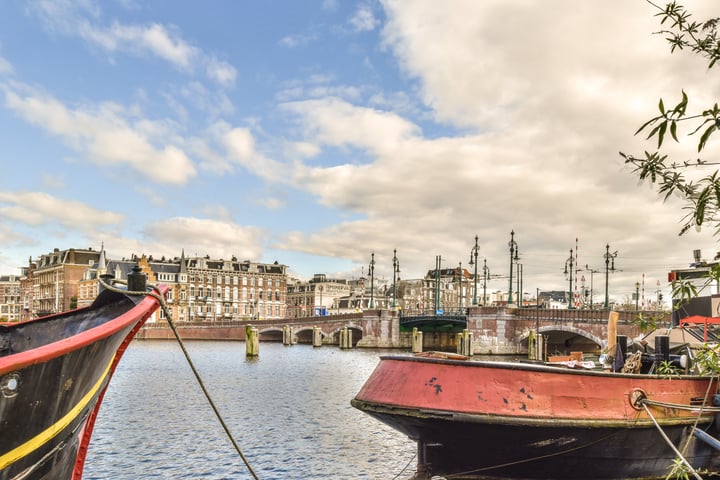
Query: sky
x=316, y=133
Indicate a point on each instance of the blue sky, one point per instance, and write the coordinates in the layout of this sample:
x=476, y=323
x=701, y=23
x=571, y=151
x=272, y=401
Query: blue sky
x=316, y=132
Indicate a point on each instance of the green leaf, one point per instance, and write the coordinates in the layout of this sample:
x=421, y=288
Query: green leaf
x=661, y=133
x=705, y=136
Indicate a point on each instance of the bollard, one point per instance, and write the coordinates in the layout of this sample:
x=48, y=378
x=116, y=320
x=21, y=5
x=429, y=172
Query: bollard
x=317, y=336
x=252, y=341
x=469, y=344
x=136, y=280
x=662, y=348
x=417, y=340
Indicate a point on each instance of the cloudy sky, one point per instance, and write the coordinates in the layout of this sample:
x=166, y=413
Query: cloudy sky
x=315, y=133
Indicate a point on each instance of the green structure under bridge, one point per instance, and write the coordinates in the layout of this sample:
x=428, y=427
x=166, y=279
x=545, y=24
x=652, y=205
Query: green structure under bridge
x=446, y=322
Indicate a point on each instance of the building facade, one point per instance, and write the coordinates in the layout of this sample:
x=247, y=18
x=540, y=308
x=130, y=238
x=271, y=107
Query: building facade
x=10, y=298
x=319, y=296
x=52, y=281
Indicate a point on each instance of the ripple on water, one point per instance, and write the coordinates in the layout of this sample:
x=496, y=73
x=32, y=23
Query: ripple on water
x=289, y=410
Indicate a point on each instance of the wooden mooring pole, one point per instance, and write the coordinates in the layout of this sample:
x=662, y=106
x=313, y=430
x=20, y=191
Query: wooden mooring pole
x=417, y=340
x=252, y=341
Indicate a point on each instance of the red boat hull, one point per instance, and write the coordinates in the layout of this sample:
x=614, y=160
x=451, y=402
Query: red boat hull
x=53, y=374
x=512, y=420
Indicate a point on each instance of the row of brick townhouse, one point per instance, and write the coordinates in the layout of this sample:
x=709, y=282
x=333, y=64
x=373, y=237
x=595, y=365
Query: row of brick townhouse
x=203, y=289
x=10, y=299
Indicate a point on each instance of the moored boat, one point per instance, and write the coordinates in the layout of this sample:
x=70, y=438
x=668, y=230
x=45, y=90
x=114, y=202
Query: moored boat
x=54, y=372
x=506, y=420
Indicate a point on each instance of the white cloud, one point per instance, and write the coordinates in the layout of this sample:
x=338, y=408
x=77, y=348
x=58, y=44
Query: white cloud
x=6, y=67
x=332, y=121
x=83, y=19
x=297, y=40
x=363, y=20
x=39, y=208
x=106, y=136
x=218, y=238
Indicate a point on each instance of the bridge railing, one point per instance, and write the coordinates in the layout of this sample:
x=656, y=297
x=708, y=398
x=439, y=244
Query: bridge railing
x=429, y=312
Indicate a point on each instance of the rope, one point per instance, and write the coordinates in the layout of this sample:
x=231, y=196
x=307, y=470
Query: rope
x=679, y=406
x=168, y=317
x=669, y=442
x=633, y=364
x=405, y=467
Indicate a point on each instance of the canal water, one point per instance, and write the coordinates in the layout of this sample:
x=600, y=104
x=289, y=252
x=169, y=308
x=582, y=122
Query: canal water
x=288, y=409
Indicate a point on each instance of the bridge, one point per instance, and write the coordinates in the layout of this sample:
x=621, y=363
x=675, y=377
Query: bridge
x=496, y=330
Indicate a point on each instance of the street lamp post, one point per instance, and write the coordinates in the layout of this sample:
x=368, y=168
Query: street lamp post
x=396, y=270
x=513, y=256
x=637, y=294
x=460, y=286
x=592, y=273
x=486, y=275
x=473, y=261
x=609, y=266
x=570, y=275
x=372, y=280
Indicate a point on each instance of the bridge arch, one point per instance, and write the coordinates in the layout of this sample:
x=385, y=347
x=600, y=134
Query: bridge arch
x=305, y=335
x=357, y=334
x=271, y=334
x=563, y=339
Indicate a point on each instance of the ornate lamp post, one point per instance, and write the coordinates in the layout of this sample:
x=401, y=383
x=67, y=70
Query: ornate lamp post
x=513, y=256
x=570, y=275
x=396, y=271
x=473, y=261
x=486, y=275
x=609, y=259
x=592, y=274
x=371, y=267
x=460, y=286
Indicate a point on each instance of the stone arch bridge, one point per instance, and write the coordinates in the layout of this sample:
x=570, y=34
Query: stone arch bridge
x=495, y=330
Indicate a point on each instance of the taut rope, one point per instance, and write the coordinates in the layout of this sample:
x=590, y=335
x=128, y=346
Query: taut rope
x=168, y=317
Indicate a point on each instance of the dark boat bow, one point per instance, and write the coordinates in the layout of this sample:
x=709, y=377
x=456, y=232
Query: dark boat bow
x=53, y=374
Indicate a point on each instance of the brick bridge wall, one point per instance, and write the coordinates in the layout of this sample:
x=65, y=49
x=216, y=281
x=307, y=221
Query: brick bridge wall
x=495, y=330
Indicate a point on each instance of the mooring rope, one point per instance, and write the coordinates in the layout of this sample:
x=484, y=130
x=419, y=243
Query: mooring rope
x=669, y=442
x=405, y=467
x=168, y=316
x=680, y=406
